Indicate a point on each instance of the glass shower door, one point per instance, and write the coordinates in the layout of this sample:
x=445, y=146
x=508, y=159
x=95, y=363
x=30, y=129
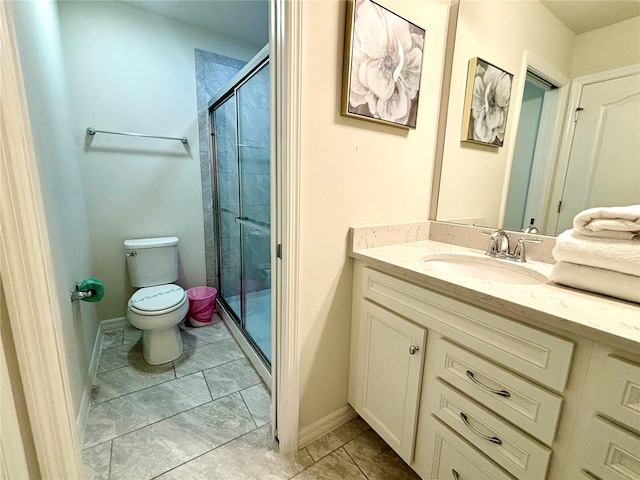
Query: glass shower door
x=242, y=149
x=255, y=207
x=228, y=204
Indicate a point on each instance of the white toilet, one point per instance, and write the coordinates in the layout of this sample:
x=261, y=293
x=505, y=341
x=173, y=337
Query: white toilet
x=159, y=306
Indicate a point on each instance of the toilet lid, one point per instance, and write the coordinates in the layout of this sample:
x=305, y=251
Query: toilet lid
x=160, y=297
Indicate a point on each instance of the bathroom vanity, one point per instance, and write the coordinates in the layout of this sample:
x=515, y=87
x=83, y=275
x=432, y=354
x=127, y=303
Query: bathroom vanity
x=470, y=379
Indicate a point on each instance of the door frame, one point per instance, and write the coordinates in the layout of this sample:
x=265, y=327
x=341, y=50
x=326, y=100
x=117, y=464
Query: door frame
x=551, y=120
x=286, y=56
x=27, y=266
x=567, y=139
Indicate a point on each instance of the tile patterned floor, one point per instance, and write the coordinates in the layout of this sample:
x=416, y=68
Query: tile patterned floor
x=206, y=416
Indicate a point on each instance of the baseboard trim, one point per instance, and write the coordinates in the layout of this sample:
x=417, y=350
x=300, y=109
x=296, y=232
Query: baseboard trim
x=325, y=425
x=83, y=411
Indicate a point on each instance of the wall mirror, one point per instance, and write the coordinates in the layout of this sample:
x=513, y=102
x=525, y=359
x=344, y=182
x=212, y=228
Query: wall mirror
x=546, y=159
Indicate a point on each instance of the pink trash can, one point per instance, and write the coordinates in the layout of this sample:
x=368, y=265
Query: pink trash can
x=202, y=302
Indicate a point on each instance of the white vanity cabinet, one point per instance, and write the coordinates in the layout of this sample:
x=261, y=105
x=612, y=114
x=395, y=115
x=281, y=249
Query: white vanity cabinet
x=483, y=396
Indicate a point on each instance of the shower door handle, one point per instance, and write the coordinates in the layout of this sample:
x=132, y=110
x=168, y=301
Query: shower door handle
x=255, y=224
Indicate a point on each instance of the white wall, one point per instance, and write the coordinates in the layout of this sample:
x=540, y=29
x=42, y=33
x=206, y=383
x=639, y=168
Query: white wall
x=59, y=167
x=133, y=71
x=606, y=48
x=353, y=172
x=498, y=32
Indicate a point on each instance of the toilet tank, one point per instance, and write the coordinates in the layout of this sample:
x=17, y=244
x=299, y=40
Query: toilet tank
x=152, y=261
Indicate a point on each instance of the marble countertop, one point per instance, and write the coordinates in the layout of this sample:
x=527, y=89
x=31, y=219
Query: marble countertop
x=601, y=318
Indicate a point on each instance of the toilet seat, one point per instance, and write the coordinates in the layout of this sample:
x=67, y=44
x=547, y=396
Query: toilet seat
x=157, y=300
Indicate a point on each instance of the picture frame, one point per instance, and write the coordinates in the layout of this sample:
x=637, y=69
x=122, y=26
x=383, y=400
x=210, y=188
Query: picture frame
x=381, y=77
x=486, y=103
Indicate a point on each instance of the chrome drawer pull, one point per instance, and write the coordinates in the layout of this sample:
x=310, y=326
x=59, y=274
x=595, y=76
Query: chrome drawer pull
x=495, y=440
x=502, y=393
x=456, y=475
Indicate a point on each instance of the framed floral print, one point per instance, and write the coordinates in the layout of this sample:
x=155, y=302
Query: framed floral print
x=486, y=103
x=382, y=65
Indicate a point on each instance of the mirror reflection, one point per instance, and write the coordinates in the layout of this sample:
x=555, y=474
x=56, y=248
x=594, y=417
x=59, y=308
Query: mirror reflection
x=571, y=139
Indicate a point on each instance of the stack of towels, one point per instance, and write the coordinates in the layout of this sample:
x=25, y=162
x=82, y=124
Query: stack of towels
x=601, y=253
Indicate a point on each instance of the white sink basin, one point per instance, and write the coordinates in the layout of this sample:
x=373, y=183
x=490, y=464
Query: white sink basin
x=485, y=268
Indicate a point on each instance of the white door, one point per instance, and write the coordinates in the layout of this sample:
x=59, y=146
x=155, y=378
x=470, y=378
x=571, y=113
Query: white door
x=393, y=351
x=604, y=165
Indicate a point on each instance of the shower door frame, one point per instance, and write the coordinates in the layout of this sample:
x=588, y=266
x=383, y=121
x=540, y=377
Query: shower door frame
x=263, y=365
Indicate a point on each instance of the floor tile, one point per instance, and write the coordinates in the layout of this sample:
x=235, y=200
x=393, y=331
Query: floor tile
x=164, y=445
x=117, y=357
x=253, y=456
x=377, y=460
x=131, y=334
x=96, y=461
x=207, y=356
x=231, y=377
x=337, y=466
x=337, y=438
x=122, y=381
x=197, y=336
x=112, y=338
x=258, y=400
x=124, y=414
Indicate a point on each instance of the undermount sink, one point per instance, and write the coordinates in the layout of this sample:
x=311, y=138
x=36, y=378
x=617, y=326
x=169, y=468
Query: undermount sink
x=485, y=268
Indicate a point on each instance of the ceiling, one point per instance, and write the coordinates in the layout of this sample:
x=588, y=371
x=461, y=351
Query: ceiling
x=585, y=15
x=243, y=20
x=248, y=20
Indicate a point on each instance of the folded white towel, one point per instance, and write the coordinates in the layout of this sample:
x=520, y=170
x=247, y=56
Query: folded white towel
x=609, y=222
x=591, y=279
x=608, y=253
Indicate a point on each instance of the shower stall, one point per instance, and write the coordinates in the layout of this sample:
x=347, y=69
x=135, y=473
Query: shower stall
x=239, y=117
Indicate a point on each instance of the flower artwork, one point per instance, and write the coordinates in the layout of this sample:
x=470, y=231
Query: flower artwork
x=486, y=103
x=382, y=65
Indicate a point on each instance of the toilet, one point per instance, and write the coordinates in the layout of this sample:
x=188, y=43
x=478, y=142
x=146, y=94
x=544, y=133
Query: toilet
x=159, y=305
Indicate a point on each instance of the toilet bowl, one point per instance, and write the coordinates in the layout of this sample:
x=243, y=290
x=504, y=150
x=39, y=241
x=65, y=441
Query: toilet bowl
x=157, y=311
x=158, y=306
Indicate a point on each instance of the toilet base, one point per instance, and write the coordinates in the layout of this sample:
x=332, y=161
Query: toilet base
x=161, y=345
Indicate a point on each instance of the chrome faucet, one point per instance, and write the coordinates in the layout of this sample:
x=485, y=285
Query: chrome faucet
x=499, y=246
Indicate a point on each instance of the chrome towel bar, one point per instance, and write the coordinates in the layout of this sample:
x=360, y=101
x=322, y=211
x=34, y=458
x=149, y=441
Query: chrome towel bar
x=93, y=131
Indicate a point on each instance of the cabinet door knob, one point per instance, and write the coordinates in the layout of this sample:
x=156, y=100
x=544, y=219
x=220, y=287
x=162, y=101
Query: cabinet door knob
x=456, y=475
x=413, y=349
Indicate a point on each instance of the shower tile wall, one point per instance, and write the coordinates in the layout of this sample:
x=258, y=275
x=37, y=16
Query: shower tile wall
x=213, y=71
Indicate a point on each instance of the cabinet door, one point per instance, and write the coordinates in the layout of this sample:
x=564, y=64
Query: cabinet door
x=392, y=352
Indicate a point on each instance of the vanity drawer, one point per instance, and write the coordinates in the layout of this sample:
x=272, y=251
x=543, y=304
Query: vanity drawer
x=537, y=355
x=454, y=458
x=619, y=397
x=517, y=453
x=530, y=407
x=610, y=452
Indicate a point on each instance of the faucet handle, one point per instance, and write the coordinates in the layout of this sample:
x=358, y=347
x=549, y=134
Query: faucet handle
x=518, y=253
x=498, y=243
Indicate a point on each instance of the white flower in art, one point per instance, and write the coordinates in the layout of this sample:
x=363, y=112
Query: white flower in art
x=491, y=92
x=386, y=61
